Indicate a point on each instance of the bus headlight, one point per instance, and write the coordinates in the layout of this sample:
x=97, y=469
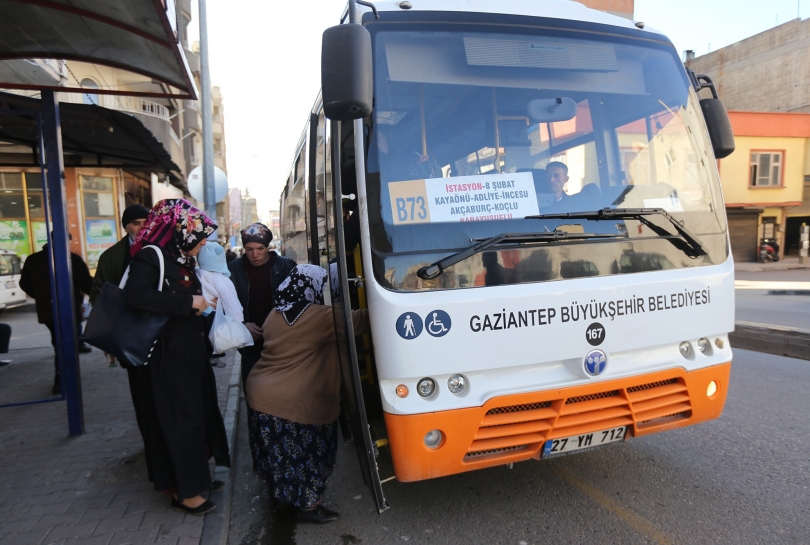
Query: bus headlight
x=686, y=349
x=457, y=384
x=426, y=387
x=433, y=439
x=402, y=390
x=711, y=389
x=704, y=345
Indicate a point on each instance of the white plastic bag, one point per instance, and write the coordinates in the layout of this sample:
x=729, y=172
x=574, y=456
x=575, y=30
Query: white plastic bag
x=227, y=333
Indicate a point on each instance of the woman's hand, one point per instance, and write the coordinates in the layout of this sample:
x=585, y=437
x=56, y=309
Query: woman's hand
x=213, y=304
x=199, y=304
x=255, y=330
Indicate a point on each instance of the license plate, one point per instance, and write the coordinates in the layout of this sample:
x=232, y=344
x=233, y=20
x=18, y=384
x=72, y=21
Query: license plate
x=554, y=447
x=10, y=285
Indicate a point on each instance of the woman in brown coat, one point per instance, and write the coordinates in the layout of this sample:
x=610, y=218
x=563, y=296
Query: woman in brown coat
x=293, y=394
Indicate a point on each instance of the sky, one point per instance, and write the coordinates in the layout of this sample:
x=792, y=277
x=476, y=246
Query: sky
x=265, y=56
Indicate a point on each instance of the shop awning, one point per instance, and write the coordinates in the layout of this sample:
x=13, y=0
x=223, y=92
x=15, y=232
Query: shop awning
x=136, y=39
x=91, y=136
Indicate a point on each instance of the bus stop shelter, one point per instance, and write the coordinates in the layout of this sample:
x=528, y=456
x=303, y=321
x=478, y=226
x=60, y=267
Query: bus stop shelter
x=42, y=39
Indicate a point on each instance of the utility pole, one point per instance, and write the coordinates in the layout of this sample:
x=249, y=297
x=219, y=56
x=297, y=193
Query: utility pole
x=209, y=184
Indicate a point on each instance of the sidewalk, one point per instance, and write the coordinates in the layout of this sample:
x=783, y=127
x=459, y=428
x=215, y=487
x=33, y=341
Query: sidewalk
x=785, y=264
x=56, y=489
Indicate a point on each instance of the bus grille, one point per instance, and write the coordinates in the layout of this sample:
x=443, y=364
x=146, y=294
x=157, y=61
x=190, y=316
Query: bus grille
x=510, y=428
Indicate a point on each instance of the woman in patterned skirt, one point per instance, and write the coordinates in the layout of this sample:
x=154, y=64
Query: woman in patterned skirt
x=293, y=394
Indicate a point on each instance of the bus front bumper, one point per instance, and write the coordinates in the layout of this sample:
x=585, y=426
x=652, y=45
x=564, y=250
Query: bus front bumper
x=514, y=428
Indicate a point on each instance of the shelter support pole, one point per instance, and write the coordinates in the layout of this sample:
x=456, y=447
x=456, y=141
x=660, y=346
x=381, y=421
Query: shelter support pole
x=64, y=307
x=209, y=182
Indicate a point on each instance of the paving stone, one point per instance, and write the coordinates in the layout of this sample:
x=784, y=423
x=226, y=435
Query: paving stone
x=47, y=509
x=185, y=540
x=19, y=526
x=97, y=540
x=168, y=517
x=114, y=525
x=104, y=512
x=189, y=529
x=24, y=538
x=12, y=516
x=143, y=495
x=83, y=504
x=48, y=521
x=126, y=537
x=155, y=506
x=66, y=531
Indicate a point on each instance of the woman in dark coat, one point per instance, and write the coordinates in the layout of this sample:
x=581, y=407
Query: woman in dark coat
x=177, y=388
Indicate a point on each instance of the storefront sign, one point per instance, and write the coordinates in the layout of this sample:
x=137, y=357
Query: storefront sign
x=14, y=236
x=486, y=197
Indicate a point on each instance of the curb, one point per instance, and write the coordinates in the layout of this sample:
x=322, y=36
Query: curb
x=771, y=339
x=217, y=523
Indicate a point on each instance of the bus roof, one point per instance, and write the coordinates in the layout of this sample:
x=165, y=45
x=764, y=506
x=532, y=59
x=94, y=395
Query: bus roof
x=555, y=9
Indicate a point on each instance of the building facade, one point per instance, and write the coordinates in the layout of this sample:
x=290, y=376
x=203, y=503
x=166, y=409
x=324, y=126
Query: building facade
x=764, y=181
x=100, y=181
x=622, y=8
x=764, y=81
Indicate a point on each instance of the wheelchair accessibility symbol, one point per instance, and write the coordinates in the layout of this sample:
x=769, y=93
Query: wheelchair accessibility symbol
x=409, y=326
x=437, y=323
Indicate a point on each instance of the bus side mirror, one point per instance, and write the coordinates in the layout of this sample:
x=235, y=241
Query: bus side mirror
x=719, y=126
x=346, y=73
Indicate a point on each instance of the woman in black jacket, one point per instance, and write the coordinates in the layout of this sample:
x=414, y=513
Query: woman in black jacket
x=176, y=390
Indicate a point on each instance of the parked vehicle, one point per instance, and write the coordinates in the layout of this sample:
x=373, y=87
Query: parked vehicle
x=11, y=295
x=768, y=250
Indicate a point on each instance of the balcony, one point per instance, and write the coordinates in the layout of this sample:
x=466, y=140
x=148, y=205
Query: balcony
x=124, y=104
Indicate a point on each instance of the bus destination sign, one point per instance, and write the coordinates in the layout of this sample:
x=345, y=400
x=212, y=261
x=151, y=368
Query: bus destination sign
x=486, y=197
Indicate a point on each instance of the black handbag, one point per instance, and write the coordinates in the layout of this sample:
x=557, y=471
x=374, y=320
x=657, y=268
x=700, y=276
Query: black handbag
x=118, y=329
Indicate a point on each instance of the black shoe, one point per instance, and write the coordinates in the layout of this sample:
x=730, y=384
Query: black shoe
x=319, y=515
x=3, y=363
x=201, y=509
x=84, y=348
x=216, y=485
x=218, y=355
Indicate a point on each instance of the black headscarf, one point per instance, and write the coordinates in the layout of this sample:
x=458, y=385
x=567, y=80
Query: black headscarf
x=302, y=288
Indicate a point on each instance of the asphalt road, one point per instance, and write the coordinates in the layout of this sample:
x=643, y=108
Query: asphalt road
x=760, y=306
x=743, y=478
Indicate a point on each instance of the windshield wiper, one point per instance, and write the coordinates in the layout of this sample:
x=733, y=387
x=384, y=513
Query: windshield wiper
x=688, y=243
x=432, y=271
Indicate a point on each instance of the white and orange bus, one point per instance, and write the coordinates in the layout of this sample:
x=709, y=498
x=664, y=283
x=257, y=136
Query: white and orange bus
x=525, y=196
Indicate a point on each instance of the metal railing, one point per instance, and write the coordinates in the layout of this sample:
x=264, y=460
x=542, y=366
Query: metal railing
x=124, y=104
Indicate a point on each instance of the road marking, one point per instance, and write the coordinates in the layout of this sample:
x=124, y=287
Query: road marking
x=631, y=519
x=766, y=285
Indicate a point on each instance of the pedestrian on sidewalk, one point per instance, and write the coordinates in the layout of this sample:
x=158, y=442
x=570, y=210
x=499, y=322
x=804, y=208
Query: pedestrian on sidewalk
x=36, y=282
x=293, y=395
x=177, y=394
x=115, y=259
x=256, y=275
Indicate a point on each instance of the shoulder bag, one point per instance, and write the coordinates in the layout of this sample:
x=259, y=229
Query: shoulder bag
x=118, y=329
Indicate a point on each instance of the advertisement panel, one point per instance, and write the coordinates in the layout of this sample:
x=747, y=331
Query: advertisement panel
x=100, y=235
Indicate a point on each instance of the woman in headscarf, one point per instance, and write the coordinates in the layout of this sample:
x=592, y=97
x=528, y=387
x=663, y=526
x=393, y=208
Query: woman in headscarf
x=176, y=390
x=293, y=394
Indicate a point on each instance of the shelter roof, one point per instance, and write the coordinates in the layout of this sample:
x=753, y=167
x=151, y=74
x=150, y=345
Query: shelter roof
x=91, y=136
x=136, y=38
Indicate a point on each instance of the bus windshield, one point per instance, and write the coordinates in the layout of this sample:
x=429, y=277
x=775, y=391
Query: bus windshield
x=474, y=130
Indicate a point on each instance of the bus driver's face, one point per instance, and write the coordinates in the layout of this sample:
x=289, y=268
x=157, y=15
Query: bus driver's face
x=558, y=179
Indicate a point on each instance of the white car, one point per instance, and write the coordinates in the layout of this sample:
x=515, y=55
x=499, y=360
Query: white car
x=11, y=295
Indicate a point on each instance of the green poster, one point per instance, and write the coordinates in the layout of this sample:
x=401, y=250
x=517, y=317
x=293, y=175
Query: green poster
x=40, y=229
x=14, y=236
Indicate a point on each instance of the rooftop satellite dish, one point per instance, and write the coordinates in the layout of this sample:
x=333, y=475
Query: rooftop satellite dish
x=195, y=184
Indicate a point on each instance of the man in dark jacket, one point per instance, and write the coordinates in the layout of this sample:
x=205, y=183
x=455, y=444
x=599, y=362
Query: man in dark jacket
x=115, y=259
x=35, y=281
x=256, y=275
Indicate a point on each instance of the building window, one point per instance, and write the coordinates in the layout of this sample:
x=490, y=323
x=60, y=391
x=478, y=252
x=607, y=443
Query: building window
x=90, y=98
x=766, y=168
x=100, y=216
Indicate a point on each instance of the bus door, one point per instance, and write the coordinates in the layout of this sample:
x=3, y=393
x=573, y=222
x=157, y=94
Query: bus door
x=353, y=402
